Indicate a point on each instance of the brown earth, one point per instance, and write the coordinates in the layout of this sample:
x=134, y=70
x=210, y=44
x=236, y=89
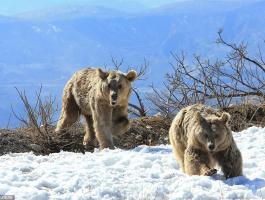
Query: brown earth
x=144, y=131
x=246, y=115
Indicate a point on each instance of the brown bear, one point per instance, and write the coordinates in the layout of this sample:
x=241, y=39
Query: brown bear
x=102, y=98
x=201, y=139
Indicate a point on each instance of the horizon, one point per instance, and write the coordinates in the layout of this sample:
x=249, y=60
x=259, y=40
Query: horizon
x=16, y=7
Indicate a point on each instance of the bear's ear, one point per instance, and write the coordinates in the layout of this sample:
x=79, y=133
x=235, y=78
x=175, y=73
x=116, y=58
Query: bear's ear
x=131, y=75
x=225, y=117
x=198, y=117
x=103, y=75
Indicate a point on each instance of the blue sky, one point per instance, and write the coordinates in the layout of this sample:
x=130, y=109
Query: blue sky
x=13, y=7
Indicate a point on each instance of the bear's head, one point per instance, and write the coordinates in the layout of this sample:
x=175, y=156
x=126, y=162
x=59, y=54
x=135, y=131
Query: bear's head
x=117, y=85
x=212, y=131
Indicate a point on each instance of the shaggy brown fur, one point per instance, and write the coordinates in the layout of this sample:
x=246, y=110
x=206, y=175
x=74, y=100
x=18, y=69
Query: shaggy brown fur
x=102, y=98
x=201, y=138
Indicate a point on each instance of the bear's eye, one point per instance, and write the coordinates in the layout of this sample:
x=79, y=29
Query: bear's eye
x=120, y=86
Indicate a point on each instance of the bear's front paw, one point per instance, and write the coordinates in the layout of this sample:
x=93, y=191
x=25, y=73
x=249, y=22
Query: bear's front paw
x=210, y=172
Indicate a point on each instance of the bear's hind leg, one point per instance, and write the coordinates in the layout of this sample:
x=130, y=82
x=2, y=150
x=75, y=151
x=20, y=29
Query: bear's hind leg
x=70, y=112
x=178, y=150
x=176, y=137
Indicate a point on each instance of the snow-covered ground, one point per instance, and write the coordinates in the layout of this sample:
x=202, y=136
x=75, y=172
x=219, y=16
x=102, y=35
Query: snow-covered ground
x=142, y=173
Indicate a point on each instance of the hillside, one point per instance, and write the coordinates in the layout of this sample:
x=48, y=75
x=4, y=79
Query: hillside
x=47, y=46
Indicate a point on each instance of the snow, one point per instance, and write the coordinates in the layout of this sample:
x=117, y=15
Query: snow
x=141, y=173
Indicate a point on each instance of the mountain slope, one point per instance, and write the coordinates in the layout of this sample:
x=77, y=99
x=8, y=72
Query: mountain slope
x=48, y=49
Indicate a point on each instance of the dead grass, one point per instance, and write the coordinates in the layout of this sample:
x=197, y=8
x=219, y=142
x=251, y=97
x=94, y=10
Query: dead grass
x=144, y=131
x=37, y=130
x=246, y=115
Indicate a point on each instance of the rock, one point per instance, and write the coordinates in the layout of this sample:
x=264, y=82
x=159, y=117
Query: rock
x=159, y=114
x=148, y=127
x=36, y=147
x=139, y=137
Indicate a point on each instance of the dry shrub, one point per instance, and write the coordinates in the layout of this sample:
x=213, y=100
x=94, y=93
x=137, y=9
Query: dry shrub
x=246, y=115
x=145, y=131
x=37, y=130
x=217, y=82
x=37, y=133
x=71, y=139
x=37, y=126
x=13, y=141
x=37, y=123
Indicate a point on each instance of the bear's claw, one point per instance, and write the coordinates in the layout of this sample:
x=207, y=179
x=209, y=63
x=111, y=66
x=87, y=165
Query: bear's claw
x=210, y=172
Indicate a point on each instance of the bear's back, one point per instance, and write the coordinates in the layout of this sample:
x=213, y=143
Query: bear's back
x=186, y=119
x=205, y=111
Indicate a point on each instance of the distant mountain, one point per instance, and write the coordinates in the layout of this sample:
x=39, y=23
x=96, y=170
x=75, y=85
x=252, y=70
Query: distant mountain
x=202, y=6
x=46, y=47
x=70, y=12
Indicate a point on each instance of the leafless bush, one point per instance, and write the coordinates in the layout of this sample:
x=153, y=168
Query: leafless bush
x=163, y=101
x=218, y=83
x=140, y=109
x=39, y=117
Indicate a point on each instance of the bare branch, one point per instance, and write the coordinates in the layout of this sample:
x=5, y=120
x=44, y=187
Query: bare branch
x=218, y=82
x=117, y=63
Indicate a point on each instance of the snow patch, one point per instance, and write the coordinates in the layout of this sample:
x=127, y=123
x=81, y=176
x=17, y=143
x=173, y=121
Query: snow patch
x=141, y=173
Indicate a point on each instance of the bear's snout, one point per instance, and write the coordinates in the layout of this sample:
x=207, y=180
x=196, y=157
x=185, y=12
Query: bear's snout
x=211, y=146
x=114, y=98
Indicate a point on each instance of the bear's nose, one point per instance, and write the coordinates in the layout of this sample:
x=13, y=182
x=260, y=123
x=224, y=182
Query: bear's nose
x=211, y=147
x=114, y=96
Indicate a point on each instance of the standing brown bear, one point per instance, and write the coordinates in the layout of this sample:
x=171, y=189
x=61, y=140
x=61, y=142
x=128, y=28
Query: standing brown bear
x=102, y=98
x=201, y=138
